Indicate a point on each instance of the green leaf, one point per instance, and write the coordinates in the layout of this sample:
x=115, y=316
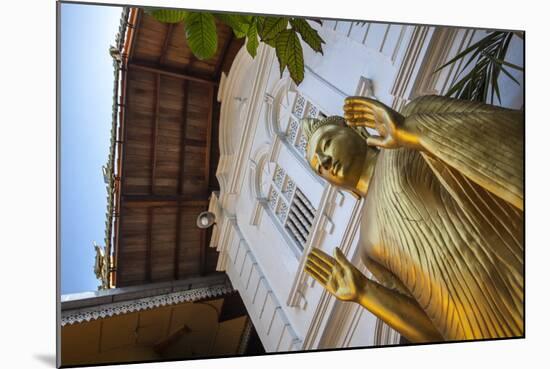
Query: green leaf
x=272, y=27
x=252, y=40
x=200, y=31
x=260, y=20
x=238, y=23
x=290, y=54
x=475, y=48
x=309, y=35
x=270, y=42
x=503, y=70
x=167, y=15
x=494, y=82
x=487, y=56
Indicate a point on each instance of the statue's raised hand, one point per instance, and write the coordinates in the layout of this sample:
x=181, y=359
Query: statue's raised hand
x=364, y=112
x=337, y=274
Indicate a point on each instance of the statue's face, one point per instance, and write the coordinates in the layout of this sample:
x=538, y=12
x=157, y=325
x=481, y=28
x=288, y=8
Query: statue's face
x=337, y=154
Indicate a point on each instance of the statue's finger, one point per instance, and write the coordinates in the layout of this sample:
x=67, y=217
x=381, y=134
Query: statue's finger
x=323, y=256
x=358, y=114
x=321, y=270
x=362, y=122
x=357, y=108
x=340, y=257
x=320, y=263
x=360, y=100
x=318, y=277
x=361, y=119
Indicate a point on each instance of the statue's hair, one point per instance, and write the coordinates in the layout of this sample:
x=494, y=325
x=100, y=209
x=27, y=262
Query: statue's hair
x=310, y=125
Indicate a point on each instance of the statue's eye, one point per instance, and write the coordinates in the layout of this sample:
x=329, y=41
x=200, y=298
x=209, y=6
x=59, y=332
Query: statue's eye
x=327, y=143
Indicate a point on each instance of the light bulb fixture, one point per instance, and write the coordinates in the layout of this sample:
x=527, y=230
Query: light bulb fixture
x=206, y=219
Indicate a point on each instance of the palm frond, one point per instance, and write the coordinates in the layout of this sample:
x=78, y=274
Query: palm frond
x=480, y=83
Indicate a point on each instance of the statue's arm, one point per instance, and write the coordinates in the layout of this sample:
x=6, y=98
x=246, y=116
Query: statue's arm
x=385, y=277
x=347, y=283
x=400, y=312
x=483, y=142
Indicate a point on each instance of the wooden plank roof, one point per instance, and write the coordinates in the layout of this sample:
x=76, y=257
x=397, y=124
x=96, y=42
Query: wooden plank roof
x=168, y=153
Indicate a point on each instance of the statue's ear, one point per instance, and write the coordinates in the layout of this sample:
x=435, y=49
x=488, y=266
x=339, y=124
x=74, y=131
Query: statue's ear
x=309, y=125
x=364, y=133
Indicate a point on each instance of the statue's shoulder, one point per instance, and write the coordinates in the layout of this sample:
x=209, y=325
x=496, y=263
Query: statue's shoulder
x=400, y=169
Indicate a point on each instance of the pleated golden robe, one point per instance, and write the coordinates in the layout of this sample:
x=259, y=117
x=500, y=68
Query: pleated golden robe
x=447, y=222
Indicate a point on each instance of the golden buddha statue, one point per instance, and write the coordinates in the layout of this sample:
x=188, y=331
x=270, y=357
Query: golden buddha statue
x=442, y=229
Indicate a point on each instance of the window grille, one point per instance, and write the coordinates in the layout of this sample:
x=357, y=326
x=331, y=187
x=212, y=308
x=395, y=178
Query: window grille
x=291, y=207
x=300, y=218
x=301, y=108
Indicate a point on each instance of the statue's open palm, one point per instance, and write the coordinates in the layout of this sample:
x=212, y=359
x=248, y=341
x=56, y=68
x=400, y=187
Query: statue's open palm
x=337, y=274
x=364, y=112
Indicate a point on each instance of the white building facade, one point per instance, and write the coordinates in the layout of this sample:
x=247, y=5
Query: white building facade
x=272, y=209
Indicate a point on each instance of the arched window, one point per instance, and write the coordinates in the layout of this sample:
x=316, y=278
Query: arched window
x=290, y=206
x=294, y=107
x=291, y=209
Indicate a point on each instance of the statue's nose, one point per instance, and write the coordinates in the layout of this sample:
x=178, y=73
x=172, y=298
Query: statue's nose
x=325, y=161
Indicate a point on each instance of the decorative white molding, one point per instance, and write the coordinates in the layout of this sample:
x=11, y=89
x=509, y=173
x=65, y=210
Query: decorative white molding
x=441, y=44
x=275, y=148
x=103, y=311
x=258, y=209
x=221, y=87
x=384, y=335
x=412, y=60
x=274, y=100
x=340, y=329
x=257, y=166
x=264, y=62
x=246, y=275
x=365, y=87
x=232, y=85
x=214, y=207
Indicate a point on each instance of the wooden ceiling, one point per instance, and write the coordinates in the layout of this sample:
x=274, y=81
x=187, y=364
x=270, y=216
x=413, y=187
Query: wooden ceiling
x=170, y=154
x=181, y=331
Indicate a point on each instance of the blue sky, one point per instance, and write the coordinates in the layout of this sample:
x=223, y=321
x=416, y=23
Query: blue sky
x=86, y=108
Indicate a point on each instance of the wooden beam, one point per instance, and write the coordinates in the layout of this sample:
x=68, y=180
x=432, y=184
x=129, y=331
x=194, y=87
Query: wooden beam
x=162, y=345
x=220, y=61
x=167, y=204
x=137, y=27
x=166, y=42
x=183, y=199
x=149, y=246
x=183, y=134
x=177, y=245
x=202, y=245
x=168, y=73
x=195, y=143
x=154, y=136
x=211, y=98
